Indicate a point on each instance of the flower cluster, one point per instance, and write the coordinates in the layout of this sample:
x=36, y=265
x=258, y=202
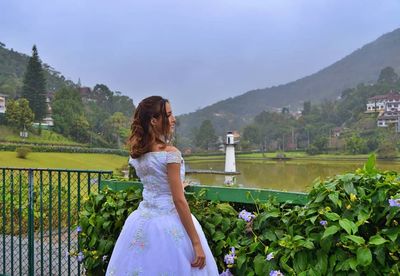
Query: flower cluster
x=270, y=256
x=247, y=216
x=275, y=273
x=323, y=222
x=229, y=259
x=394, y=202
x=80, y=256
x=226, y=273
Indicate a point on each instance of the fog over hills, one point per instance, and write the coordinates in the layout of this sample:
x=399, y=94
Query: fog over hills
x=361, y=66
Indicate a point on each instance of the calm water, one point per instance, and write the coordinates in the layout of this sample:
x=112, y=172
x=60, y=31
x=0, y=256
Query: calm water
x=284, y=176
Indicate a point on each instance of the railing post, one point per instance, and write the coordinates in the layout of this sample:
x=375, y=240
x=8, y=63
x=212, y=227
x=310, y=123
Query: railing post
x=31, y=233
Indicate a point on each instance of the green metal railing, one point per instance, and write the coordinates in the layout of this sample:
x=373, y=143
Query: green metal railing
x=230, y=194
x=39, y=211
x=40, y=207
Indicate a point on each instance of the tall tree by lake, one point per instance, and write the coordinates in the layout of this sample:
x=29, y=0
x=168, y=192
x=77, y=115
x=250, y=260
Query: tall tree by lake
x=34, y=86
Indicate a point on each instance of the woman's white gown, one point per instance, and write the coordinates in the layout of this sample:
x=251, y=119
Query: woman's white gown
x=153, y=240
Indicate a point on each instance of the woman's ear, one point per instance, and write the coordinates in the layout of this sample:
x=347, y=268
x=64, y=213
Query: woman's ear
x=153, y=121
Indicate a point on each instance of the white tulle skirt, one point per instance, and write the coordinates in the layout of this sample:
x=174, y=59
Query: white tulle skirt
x=154, y=242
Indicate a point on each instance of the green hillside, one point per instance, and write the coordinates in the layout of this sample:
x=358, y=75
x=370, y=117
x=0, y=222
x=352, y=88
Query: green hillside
x=361, y=66
x=100, y=118
x=12, y=70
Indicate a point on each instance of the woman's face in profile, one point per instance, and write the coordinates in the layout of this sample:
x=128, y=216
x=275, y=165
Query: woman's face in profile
x=170, y=117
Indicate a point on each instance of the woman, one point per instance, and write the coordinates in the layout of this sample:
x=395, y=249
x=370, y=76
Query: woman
x=161, y=237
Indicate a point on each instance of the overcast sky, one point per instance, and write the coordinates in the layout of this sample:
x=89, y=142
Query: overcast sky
x=193, y=52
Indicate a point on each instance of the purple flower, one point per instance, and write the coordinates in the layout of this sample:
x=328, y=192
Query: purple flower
x=247, y=216
x=229, y=259
x=66, y=254
x=105, y=258
x=233, y=251
x=226, y=273
x=80, y=257
x=394, y=202
x=78, y=229
x=270, y=256
x=323, y=222
x=275, y=273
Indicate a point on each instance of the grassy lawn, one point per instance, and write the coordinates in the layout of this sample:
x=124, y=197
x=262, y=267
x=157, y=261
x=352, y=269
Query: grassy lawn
x=64, y=160
x=47, y=137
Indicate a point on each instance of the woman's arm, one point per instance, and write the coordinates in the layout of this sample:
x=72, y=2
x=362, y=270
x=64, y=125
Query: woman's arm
x=174, y=179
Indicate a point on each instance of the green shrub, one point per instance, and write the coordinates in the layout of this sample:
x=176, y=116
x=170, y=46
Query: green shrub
x=348, y=227
x=23, y=152
x=387, y=150
x=69, y=149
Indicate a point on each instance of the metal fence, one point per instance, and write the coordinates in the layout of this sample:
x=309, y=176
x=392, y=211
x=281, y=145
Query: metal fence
x=39, y=215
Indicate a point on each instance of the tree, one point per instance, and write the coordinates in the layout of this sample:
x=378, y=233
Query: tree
x=116, y=127
x=206, y=138
x=306, y=108
x=388, y=75
x=34, y=86
x=68, y=114
x=18, y=113
x=251, y=133
x=355, y=144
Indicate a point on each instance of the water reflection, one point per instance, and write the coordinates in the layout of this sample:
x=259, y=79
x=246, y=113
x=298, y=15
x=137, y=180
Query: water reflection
x=284, y=176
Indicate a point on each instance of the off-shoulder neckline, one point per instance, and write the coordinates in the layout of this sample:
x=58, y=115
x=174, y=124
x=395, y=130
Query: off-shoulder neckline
x=171, y=151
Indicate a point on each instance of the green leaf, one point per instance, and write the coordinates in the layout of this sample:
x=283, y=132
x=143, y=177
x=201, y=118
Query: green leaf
x=300, y=261
x=335, y=199
x=93, y=241
x=369, y=167
x=349, y=188
x=241, y=260
x=353, y=263
x=226, y=209
x=322, y=262
x=349, y=226
x=377, y=240
x=362, y=217
x=218, y=235
x=392, y=233
x=307, y=244
x=259, y=264
x=357, y=239
x=331, y=230
x=332, y=216
x=313, y=219
x=364, y=256
x=320, y=197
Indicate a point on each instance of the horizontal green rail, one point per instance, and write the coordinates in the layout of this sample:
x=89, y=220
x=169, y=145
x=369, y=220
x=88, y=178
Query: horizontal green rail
x=230, y=194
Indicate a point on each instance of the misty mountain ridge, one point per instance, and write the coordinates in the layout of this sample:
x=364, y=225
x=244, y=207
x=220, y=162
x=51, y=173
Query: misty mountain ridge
x=361, y=66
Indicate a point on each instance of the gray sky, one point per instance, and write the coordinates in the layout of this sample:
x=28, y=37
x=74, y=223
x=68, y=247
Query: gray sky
x=194, y=52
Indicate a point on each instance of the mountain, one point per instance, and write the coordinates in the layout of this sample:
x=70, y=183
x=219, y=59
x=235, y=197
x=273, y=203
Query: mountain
x=361, y=66
x=12, y=70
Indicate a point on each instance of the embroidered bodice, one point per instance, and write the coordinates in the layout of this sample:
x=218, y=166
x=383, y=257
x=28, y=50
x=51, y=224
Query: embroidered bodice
x=151, y=168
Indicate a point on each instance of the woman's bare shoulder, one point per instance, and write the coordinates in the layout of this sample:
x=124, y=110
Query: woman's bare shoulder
x=171, y=149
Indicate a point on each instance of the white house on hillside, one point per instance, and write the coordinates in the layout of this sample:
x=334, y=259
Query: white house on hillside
x=388, y=102
x=2, y=103
x=388, y=107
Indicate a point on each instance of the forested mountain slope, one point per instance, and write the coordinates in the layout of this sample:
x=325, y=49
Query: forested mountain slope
x=361, y=66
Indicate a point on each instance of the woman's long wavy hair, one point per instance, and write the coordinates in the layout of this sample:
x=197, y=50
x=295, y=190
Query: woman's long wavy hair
x=143, y=134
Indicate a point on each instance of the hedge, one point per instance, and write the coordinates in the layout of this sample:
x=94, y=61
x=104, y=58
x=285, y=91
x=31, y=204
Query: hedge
x=348, y=227
x=41, y=148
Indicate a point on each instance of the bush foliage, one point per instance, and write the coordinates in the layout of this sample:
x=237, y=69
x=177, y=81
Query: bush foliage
x=348, y=227
x=23, y=152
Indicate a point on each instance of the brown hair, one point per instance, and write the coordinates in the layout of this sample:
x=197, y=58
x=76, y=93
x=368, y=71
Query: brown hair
x=143, y=134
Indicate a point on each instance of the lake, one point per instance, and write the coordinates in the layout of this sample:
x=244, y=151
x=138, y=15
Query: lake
x=293, y=175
